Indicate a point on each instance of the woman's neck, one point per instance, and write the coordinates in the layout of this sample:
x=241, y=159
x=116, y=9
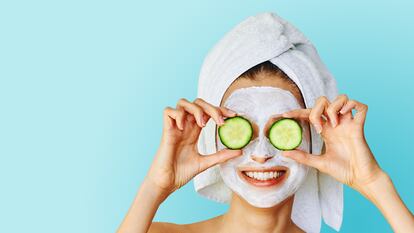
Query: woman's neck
x=243, y=217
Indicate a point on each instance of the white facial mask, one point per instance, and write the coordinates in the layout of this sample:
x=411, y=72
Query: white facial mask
x=258, y=105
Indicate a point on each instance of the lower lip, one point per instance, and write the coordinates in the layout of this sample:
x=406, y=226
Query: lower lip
x=264, y=183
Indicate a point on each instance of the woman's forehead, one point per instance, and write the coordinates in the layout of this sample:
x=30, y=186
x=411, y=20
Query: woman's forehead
x=268, y=80
x=260, y=103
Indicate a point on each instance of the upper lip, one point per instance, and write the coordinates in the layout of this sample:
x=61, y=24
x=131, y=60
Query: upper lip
x=263, y=169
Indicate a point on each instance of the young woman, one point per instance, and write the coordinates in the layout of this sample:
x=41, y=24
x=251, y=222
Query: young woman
x=346, y=157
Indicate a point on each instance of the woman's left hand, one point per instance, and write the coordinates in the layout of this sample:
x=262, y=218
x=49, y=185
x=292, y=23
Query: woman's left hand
x=347, y=156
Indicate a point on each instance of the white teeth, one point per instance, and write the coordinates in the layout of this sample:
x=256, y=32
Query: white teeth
x=264, y=175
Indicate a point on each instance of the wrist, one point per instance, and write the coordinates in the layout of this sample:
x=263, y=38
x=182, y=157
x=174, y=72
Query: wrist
x=152, y=188
x=376, y=186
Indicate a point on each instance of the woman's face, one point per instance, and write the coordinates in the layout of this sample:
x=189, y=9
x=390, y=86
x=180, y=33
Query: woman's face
x=261, y=175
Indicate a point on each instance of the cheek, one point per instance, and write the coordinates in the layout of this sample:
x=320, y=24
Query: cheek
x=298, y=173
x=228, y=172
x=231, y=166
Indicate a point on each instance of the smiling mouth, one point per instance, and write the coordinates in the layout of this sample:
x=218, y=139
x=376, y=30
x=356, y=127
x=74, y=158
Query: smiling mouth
x=266, y=177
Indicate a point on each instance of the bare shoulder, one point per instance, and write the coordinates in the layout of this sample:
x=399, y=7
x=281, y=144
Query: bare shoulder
x=209, y=225
x=160, y=227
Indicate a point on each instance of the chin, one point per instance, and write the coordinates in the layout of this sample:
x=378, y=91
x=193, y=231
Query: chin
x=265, y=205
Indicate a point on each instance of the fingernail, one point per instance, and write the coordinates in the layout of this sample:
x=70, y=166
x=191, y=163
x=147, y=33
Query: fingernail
x=202, y=122
x=221, y=120
x=334, y=123
x=231, y=112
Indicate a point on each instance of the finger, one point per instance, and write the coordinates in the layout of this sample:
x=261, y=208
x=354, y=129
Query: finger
x=221, y=156
x=190, y=118
x=179, y=120
x=212, y=111
x=335, y=107
x=193, y=109
x=194, y=134
x=227, y=112
x=175, y=114
x=317, y=112
x=345, y=117
x=305, y=158
x=302, y=113
x=361, y=109
x=206, y=118
x=168, y=121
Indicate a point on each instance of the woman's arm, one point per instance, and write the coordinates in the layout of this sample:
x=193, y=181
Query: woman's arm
x=348, y=158
x=143, y=209
x=383, y=194
x=177, y=160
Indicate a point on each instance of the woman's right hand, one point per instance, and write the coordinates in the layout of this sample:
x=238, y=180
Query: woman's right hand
x=177, y=159
x=347, y=157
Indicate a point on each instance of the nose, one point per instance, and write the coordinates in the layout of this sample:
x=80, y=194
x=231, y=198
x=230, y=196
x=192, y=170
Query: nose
x=261, y=152
x=260, y=159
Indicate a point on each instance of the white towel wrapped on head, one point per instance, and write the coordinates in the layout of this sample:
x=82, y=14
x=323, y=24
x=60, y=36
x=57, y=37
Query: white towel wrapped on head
x=260, y=38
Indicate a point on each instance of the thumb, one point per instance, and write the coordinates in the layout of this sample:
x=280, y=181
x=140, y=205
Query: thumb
x=305, y=158
x=221, y=156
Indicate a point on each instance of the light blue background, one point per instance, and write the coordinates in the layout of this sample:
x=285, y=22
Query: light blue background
x=83, y=85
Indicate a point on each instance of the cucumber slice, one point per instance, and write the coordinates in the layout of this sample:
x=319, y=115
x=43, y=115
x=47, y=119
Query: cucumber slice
x=285, y=134
x=236, y=132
